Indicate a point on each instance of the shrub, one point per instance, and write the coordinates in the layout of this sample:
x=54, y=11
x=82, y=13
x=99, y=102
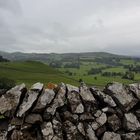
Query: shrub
x=93, y=71
x=6, y=83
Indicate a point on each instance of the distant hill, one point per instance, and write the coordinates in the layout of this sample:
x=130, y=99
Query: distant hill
x=47, y=57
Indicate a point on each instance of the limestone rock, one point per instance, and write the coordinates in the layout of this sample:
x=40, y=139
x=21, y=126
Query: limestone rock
x=47, y=131
x=33, y=118
x=102, y=119
x=86, y=94
x=10, y=100
x=99, y=121
x=104, y=97
x=72, y=88
x=57, y=127
x=28, y=133
x=69, y=116
x=108, y=110
x=90, y=133
x=27, y=103
x=47, y=116
x=114, y=122
x=95, y=125
x=37, y=87
x=111, y=136
x=80, y=127
x=70, y=130
x=135, y=88
x=58, y=101
x=57, y=138
x=75, y=102
x=17, y=121
x=16, y=135
x=98, y=113
x=122, y=97
x=100, y=131
x=138, y=113
x=30, y=98
x=45, y=98
x=131, y=136
x=86, y=117
x=3, y=136
x=130, y=122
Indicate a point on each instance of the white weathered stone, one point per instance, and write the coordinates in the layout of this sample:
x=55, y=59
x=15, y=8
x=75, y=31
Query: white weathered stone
x=122, y=96
x=98, y=113
x=131, y=122
x=90, y=133
x=57, y=127
x=80, y=127
x=45, y=98
x=102, y=119
x=95, y=125
x=37, y=86
x=58, y=101
x=131, y=136
x=3, y=136
x=111, y=136
x=47, y=131
x=104, y=97
x=70, y=130
x=72, y=88
x=75, y=102
x=135, y=88
x=10, y=100
x=27, y=103
x=86, y=94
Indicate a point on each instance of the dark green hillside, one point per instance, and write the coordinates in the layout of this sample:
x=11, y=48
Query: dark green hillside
x=30, y=72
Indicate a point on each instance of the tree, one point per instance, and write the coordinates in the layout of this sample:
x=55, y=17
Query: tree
x=93, y=71
x=55, y=64
x=129, y=75
x=3, y=59
x=95, y=78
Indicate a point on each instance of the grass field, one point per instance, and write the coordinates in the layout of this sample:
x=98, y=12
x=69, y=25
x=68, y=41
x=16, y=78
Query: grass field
x=115, y=69
x=30, y=72
x=98, y=79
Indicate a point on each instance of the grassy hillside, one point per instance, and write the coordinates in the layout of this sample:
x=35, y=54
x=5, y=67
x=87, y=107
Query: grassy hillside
x=30, y=72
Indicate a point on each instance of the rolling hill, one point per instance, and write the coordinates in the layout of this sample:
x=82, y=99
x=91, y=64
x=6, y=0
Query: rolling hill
x=48, y=57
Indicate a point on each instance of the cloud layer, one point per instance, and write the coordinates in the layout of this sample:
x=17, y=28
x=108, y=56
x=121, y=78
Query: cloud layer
x=70, y=26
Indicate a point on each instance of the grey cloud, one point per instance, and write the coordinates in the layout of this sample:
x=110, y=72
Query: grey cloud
x=70, y=25
x=11, y=6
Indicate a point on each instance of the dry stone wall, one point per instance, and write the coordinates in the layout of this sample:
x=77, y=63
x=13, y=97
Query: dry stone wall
x=70, y=113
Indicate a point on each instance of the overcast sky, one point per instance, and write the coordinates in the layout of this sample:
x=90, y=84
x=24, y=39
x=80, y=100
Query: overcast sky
x=70, y=26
